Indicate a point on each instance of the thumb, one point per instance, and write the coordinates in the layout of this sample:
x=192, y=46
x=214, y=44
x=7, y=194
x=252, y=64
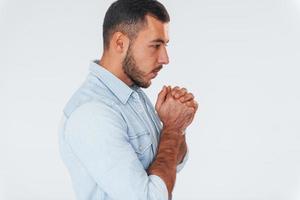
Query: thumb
x=161, y=98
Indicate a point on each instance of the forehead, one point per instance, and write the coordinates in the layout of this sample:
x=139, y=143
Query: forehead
x=154, y=29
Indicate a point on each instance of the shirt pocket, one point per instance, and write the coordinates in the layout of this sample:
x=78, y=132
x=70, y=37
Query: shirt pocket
x=141, y=143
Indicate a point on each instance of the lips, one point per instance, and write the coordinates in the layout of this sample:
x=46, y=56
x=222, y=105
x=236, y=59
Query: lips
x=155, y=72
x=157, y=69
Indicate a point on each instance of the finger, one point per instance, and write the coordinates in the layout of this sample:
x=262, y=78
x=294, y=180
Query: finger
x=190, y=107
x=169, y=89
x=169, y=94
x=196, y=105
x=161, y=97
x=187, y=97
x=180, y=93
x=174, y=90
x=189, y=104
x=192, y=104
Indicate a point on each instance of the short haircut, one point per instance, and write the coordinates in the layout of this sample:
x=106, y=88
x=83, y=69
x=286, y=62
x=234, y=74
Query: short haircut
x=128, y=17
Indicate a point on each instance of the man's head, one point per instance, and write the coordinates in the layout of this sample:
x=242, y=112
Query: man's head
x=136, y=32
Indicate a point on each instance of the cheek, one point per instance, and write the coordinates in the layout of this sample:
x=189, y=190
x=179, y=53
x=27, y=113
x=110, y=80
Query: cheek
x=146, y=58
x=143, y=53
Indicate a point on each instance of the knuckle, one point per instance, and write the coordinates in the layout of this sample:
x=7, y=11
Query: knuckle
x=190, y=95
x=184, y=89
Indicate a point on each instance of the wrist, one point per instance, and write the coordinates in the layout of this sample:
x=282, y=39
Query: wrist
x=171, y=130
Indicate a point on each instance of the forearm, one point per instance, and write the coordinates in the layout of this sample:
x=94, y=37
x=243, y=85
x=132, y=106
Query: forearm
x=182, y=149
x=166, y=159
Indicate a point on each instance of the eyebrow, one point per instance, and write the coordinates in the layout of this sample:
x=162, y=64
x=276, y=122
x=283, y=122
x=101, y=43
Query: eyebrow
x=160, y=41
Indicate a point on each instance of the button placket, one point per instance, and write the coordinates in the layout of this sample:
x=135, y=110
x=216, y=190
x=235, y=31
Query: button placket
x=138, y=103
x=142, y=111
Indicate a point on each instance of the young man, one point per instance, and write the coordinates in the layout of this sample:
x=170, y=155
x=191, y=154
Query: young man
x=112, y=140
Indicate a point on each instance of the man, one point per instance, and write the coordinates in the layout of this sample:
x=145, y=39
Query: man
x=112, y=140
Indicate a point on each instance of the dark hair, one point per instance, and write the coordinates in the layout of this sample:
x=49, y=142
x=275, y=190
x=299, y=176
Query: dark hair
x=128, y=17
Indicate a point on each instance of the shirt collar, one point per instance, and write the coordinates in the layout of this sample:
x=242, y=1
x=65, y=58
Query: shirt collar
x=113, y=83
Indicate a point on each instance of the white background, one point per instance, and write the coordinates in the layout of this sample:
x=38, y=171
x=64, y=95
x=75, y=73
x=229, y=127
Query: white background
x=240, y=58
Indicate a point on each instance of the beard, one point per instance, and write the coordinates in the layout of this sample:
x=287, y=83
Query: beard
x=133, y=72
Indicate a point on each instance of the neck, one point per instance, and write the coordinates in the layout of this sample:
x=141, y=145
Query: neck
x=114, y=65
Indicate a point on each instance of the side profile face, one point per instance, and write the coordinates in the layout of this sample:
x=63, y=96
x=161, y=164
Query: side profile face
x=147, y=54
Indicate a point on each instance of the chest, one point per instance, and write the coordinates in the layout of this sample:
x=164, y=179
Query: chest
x=143, y=129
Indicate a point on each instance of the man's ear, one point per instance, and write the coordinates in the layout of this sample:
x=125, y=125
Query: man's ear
x=120, y=43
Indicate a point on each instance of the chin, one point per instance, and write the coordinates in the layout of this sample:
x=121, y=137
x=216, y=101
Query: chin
x=146, y=84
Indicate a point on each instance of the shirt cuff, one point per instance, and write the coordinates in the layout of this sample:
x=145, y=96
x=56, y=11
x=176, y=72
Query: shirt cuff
x=182, y=164
x=161, y=185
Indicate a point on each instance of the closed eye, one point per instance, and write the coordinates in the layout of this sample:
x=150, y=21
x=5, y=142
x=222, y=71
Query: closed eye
x=157, y=46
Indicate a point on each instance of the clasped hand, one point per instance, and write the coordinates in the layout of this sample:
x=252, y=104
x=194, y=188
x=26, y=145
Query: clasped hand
x=176, y=108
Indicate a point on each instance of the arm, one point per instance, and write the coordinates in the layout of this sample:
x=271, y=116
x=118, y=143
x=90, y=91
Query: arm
x=186, y=98
x=175, y=117
x=182, y=150
x=166, y=160
x=97, y=134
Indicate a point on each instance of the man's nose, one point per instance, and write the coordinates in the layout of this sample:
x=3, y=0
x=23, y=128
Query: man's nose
x=163, y=56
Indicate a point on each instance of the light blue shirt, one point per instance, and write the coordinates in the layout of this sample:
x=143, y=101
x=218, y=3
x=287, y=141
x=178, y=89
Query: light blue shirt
x=108, y=138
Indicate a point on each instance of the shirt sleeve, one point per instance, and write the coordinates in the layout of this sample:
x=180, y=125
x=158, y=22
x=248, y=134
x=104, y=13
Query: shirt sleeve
x=96, y=134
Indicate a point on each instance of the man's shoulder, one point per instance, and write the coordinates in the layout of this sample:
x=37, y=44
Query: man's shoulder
x=90, y=93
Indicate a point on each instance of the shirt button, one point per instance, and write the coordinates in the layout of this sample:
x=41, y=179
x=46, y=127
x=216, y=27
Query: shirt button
x=140, y=147
x=135, y=96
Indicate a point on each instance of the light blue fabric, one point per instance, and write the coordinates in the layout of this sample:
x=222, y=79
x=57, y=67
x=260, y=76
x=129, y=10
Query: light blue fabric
x=108, y=137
